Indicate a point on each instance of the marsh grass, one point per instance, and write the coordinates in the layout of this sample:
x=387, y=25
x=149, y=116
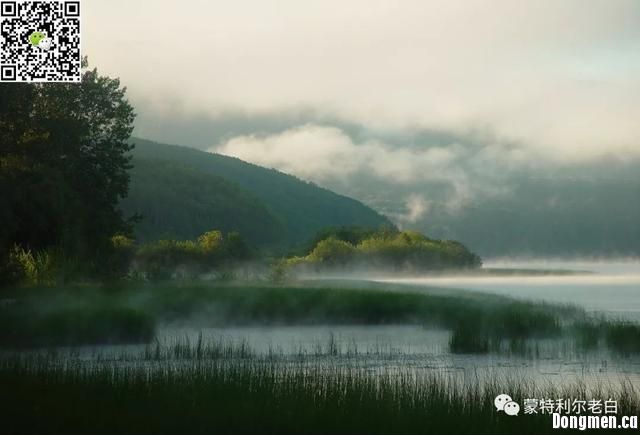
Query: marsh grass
x=22, y=326
x=183, y=349
x=129, y=314
x=623, y=337
x=203, y=388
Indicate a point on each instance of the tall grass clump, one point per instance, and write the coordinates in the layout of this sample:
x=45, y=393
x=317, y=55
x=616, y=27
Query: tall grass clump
x=212, y=251
x=21, y=327
x=623, y=337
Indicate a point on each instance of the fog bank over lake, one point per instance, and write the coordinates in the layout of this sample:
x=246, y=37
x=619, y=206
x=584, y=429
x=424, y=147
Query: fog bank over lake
x=611, y=287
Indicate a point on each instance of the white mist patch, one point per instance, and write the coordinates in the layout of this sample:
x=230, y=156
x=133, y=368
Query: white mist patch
x=620, y=266
x=333, y=157
x=416, y=208
x=319, y=152
x=609, y=287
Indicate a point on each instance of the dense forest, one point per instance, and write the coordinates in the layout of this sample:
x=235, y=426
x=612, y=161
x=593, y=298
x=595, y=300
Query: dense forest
x=169, y=185
x=176, y=201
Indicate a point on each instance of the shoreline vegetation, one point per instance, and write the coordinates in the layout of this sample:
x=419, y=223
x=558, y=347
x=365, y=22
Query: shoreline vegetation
x=479, y=323
x=218, y=256
x=500, y=271
x=205, y=387
x=386, y=250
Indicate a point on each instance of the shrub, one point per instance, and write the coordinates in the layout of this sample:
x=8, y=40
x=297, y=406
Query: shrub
x=391, y=250
x=212, y=251
x=30, y=268
x=332, y=252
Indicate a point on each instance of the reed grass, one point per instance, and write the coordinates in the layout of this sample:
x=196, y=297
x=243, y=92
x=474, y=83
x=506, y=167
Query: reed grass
x=130, y=314
x=205, y=388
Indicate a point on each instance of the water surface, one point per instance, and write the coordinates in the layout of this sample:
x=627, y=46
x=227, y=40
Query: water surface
x=611, y=287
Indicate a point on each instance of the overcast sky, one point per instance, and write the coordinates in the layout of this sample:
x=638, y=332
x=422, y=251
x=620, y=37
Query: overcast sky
x=324, y=87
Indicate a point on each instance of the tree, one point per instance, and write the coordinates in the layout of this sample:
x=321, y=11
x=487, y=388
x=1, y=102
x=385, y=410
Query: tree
x=332, y=251
x=63, y=166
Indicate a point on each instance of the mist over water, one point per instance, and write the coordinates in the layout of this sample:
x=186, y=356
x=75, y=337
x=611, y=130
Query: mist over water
x=608, y=287
x=399, y=349
x=622, y=266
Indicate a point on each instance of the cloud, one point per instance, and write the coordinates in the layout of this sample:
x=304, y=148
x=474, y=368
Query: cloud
x=319, y=153
x=416, y=208
x=558, y=78
x=310, y=151
x=330, y=156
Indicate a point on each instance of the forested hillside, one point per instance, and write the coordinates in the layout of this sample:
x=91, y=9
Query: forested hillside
x=181, y=202
x=181, y=192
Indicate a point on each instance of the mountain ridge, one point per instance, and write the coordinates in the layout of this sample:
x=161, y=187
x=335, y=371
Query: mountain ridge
x=298, y=207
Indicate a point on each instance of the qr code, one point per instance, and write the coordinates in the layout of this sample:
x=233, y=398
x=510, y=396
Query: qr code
x=40, y=41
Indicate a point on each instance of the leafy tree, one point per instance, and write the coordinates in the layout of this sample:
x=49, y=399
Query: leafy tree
x=350, y=234
x=63, y=166
x=332, y=251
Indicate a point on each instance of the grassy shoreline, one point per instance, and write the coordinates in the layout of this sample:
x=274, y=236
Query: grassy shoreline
x=480, y=323
x=228, y=388
x=212, y=389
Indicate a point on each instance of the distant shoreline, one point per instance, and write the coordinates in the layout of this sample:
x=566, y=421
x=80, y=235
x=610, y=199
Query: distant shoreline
x=505, y=271
x=447, y=273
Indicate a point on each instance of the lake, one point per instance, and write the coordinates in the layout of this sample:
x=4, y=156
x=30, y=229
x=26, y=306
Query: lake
x=610, y=287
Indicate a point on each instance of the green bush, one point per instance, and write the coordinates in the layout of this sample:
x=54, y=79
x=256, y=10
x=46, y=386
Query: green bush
x=212, y=251
x=31, y=268
x=332, y=252
x=387, y=250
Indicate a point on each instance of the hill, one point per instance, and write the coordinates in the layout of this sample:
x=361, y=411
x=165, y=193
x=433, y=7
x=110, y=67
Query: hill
x=557, y=210
x=182, y=192
x=179, y=202
x=588, y=216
